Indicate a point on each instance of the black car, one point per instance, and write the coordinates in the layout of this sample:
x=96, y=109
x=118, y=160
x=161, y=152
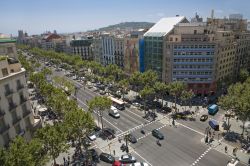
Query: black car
x=108, y=133
x=107, y=158
x=157, y=134
x=94, y=155
x=204, y=118
x=132, y=138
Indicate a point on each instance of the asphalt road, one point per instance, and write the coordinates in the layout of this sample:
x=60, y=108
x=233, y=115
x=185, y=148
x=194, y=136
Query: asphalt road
x=182, y=145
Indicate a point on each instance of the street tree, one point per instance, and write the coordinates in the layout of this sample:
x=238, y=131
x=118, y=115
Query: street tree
x=148, y=78
x=124, y=85
x=176, y=89
x=186, y=96
x=161, y=89
x=147, y=93
x=244, y=74
x=53, y=139
x=100, y=104
x=78, y=124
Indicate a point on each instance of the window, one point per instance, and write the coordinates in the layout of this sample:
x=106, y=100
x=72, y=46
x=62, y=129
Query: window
x=5, y=72
x=195, y=31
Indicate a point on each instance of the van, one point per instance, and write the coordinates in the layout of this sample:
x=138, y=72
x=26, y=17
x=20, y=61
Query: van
x=214, y=124
x=213, y=109
x=114, y=112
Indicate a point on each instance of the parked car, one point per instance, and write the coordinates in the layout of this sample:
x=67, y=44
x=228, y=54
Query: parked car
x=102, y=93
x=139, y=164
x=132, y=139
x=92, y=136
x=157, y=134
x=117, y=163
x=107, y=158
x=203, y=118
x=108, y=133
x=127, y=158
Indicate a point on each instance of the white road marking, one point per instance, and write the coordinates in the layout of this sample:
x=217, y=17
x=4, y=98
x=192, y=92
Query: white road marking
x=142, y=157
x=136, y=114
x=102, y=117
x=201, y=156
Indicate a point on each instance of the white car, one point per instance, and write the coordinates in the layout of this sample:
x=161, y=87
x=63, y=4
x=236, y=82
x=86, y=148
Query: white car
x=139, y=164
x=92, y=136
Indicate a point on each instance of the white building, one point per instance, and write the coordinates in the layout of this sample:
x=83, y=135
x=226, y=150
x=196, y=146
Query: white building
x=16, y=116
x=107, y=49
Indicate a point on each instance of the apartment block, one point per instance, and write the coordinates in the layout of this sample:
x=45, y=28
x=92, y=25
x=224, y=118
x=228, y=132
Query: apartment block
x=16, y=116
x=83, y=47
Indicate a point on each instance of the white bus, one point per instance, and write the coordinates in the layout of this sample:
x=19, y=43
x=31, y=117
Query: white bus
x=118, y=103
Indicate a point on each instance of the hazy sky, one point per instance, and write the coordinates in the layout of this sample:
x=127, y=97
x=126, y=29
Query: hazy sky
x=37, y=16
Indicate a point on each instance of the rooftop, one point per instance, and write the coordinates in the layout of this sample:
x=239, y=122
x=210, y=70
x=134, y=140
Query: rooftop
x=164, y=26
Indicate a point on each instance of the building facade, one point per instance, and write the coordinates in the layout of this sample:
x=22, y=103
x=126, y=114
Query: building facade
x=16, y=116
x=8, y=47
x=83, y=47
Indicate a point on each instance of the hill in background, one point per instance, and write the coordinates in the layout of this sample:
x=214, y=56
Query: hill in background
x=128, y=25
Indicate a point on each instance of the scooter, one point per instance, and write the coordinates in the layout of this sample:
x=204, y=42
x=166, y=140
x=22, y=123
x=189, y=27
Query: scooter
x=142, y=131
x=158, y=143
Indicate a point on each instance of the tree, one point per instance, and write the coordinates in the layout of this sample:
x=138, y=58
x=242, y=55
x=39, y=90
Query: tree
x=135, y=81
x=100, y=104
x=176, y=89
x=161, y=89
x=123, y=84
x=147, y=93
x=2, y=156
x=186, y=95
x=244, y=74
x=238, y=100
x=53, y=139
x=78, y=124
x=148, y=78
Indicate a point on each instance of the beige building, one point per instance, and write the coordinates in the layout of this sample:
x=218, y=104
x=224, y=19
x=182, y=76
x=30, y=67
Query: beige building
x=16, y=117
x=8, y=47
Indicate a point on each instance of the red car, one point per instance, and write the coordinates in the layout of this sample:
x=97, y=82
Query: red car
x=118, y=163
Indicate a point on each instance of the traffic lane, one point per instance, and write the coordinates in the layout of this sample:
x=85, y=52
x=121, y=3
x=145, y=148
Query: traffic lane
x=180, y=147
x=215, y=158
x=200, y=125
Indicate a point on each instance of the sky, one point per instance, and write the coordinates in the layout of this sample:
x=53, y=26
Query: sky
x=38, y=16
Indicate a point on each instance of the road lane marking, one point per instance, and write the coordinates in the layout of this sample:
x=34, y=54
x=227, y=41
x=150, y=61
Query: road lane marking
x=201, y=156
x=136, y=115
x=142, y=157
x=102, y=117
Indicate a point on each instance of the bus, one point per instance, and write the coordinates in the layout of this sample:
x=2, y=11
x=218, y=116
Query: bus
x=118, y=103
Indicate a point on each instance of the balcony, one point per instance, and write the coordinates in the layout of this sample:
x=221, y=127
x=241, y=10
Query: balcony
x=4, y=128
x=19, y=87
x=8, y=92
x=23, y=100
x=16, y=120
x=12, y=106
x=26, y=113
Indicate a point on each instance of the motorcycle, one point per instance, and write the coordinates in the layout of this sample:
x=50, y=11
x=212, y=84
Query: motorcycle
x=158, y=143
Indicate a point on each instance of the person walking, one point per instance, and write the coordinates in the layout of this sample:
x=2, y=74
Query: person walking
x=225, y=149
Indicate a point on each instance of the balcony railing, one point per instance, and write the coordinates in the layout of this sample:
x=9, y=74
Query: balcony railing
x=16, y=120
x=26, y=113
x=23, y=100
x=4, y=128
x=12, y=106
x=20, y=86
x=8, y=92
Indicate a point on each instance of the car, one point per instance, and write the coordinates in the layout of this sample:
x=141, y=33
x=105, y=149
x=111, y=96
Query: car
x=127, y=158
x=139, y=164
x=108, y=133
x=136, y=104
x=102, y=93
x=117, y=163
x=132, y=139
x=114, y=112
x=86, y=141
x=156, y=133
x=93, y=154
x=203, y=118
x=107, y=158
x=92, y=136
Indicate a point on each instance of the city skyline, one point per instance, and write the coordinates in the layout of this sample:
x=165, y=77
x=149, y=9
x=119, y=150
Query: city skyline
x=67, y=16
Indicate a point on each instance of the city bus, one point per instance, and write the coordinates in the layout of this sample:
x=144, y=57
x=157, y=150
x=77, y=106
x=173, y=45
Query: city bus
x=117, y=103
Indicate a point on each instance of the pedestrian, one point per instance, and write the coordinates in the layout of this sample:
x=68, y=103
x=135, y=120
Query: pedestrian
x=225, y=149
x=114, y=152
x=64, y=160
x=68, y=159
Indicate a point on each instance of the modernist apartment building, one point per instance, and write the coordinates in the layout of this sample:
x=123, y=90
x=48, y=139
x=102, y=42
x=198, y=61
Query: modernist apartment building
x=202, y=54
x=8, y=47
x=16, y=117
x=83, y=47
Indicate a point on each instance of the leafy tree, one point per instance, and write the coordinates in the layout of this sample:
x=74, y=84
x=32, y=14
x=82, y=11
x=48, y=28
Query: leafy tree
x=53, y=139
x=186, y=95
x=135, y=80
x=176, y=89
x=149, y=78
x=244, y=74
x=78, y=123
x=100, y=104
x=123, y=84
x=161, y=89
x=2, y=157
x=147, y=93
